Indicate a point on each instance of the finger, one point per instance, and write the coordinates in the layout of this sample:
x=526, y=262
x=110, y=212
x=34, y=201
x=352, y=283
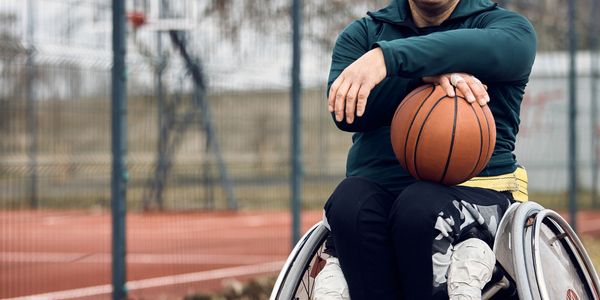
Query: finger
x=479, y=92
x=363, y=96
x=340, y=100
x=447, y=86
x=351, y=102
x=485, y=88
x=332, y=91
x=466, y=91
x=476, y=80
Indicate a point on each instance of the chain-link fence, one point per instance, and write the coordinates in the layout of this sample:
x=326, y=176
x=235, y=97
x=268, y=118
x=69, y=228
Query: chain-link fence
x=58, y=120
x=211, y=140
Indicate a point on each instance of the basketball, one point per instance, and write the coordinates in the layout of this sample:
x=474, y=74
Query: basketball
x=442, y=139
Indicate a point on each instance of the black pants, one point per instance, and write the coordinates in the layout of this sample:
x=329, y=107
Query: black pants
x=399, y=246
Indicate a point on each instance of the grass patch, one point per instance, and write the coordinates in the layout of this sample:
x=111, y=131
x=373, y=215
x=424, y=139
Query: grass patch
x=255, y=289
x=560, y=200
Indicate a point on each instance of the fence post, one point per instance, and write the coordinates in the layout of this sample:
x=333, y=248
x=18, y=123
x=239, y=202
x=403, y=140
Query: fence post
x=119, y=150
x=595, y=74
x=296, y=121
x=572, y=117
x=32, y=147
x=160, y=97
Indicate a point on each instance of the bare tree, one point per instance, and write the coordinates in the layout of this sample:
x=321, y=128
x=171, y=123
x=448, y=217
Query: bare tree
x=550, y=19
x=12, y=71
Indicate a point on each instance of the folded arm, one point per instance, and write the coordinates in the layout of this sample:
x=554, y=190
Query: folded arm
x=501, y=49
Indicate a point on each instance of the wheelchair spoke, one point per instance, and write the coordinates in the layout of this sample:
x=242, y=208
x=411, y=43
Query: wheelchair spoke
x=307, y=284
x=297, y=279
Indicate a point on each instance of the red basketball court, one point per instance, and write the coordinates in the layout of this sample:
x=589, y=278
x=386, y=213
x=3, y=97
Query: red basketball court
x=67, y=254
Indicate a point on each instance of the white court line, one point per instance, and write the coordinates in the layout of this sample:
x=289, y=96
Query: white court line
x=159, y=281
x=134, y=258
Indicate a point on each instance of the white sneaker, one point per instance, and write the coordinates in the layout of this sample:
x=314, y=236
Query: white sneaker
x=471, y=268
x=330, y=283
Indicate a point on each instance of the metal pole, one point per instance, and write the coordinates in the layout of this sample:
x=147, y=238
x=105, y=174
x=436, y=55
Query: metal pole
x=32, y=148
x=160, y=97
x=119, y=150
x=572, y=117
x=593, y=40
x=296, y=121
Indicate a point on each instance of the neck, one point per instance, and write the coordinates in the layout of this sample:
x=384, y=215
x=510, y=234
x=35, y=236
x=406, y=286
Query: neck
x=425, y=15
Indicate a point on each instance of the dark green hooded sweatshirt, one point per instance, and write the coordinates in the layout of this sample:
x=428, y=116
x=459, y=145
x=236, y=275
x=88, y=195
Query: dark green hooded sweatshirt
x=493, y=44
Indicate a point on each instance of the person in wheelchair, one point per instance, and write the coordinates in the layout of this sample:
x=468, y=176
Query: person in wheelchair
x=393, y=237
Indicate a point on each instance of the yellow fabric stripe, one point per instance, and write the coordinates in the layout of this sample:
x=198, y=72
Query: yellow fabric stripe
x=515, y=182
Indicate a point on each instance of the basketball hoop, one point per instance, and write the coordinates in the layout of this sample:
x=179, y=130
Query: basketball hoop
x=137, y=19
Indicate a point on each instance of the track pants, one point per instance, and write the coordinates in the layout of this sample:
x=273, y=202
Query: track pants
x=399, y=246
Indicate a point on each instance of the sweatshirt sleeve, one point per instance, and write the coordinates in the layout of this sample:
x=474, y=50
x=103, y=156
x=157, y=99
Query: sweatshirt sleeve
x=351, y=44
x=501, y=49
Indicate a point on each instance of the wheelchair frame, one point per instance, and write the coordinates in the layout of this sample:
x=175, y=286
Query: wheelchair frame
x=296, y=268
x=526, y=233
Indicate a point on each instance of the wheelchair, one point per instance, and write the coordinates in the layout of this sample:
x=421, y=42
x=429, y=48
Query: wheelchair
x=538, y=257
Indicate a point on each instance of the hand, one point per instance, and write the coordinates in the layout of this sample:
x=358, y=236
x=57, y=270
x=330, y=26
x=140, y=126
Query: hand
x=349, y=92
x=468, y=85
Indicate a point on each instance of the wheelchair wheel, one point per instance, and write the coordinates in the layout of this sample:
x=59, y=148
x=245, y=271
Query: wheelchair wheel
x=544, y=256
x=297, y=277
x=536, y=250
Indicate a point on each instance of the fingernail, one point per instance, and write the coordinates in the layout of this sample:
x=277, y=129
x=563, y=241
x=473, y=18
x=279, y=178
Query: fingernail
x=487, y=98
x=359, y=112
x=471, y=99
x=451, y=94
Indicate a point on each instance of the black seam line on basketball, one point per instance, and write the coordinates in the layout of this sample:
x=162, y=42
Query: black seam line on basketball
x=420, y=131
x=480, y=143
x=452, y=140
x=416, y=92
x=411, y=125
x=402, y=103
x=489, y=136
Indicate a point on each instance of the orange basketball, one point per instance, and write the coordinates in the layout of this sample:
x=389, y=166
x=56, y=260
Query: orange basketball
x=442, y=139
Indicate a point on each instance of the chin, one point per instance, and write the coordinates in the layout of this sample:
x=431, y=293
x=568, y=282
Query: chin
x=433, y=5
